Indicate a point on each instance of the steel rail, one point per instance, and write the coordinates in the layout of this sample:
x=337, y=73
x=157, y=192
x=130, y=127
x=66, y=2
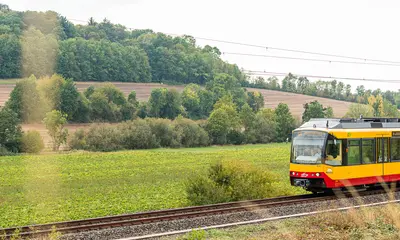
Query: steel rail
x=169, y=215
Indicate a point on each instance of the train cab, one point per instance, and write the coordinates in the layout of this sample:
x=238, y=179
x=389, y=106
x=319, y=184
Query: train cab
x=341, y=153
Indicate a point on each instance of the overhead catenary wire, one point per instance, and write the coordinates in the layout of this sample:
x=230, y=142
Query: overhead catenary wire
x=310, y=59
x=364, y=60
x=297, y=51
x=265, y=73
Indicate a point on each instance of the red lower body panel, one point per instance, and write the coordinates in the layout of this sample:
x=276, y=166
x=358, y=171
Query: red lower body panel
x=330, y=183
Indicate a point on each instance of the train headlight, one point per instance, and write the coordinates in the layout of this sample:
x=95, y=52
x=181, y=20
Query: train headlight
x=293, y=173
x=317, y=174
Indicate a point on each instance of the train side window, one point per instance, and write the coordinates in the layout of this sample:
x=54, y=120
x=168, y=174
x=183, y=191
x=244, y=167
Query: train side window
x=334, y=152
x=395, y=149
x=368, y=151
x=353, y=152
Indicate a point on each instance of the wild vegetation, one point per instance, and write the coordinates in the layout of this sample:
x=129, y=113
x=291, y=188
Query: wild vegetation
x=371, y=223
x=57, y=187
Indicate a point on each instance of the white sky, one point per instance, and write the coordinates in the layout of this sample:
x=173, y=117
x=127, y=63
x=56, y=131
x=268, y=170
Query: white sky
x=359, y=28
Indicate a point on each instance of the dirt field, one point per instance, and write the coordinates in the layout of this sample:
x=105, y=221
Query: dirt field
x=296, y=101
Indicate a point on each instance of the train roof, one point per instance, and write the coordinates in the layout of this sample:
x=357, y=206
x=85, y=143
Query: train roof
x=352, y=123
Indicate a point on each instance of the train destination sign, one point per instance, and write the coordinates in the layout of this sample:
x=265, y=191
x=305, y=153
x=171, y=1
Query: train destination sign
x=396, y=134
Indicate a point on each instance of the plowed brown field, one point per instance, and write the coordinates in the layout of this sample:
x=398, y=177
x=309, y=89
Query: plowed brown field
x=143, y=90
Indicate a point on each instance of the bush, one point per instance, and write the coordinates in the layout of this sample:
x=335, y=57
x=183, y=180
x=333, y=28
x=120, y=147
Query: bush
x=163, y=131
x=137, y=135
x=105, y=138
x=235, y=137
x=229, y=181
x=32, y=142
x=78, y=140
x=189, y=134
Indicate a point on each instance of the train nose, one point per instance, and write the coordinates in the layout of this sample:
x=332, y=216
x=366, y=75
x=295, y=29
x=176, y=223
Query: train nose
x=301, y=182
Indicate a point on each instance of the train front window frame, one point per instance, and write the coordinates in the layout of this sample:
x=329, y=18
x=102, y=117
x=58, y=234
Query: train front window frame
x=308, y=147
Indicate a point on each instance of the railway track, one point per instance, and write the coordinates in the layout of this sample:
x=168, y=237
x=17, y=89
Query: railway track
x=168, y=215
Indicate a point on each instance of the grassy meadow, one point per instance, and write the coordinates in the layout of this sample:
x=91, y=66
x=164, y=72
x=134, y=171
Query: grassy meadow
x=47, y=188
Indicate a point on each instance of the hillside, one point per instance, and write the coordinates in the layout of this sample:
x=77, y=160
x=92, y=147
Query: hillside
x=272, y=98
x=295, y=101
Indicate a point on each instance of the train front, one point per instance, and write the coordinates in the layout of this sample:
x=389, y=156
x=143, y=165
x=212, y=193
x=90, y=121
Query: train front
x=306, y=159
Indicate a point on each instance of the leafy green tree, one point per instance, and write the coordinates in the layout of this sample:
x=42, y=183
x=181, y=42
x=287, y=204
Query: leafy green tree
x=10, y=56
x=285, y=122
x=224, y=84
x=10, y=130
x=55, y=122
x=265, y=126
x=165, y=103
x=100, y=107
x=69, y=99
x=83, y=111
x=132, y=99
x=248, y=120
x=223, y=119
x=255, y=100
x=191, y=101
x=356, y=110
x=329, y=112
x=25, y=101
x=316, y=110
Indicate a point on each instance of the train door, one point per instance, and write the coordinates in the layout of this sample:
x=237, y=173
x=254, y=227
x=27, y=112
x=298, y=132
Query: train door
x=382, y=154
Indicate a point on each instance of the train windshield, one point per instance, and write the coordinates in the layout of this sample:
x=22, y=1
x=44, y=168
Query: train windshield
x=307, y=147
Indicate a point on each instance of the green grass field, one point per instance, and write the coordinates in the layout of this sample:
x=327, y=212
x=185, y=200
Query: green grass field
x=47, y=188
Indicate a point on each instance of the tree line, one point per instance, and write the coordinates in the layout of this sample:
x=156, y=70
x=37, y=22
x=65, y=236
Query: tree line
x=328, y=89
x=44, y=43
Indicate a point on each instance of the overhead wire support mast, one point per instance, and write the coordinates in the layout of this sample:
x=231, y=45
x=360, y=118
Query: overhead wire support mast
x=311, y=59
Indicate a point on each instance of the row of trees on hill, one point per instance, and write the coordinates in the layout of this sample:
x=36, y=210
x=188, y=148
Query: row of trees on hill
x=44, y=43
x=32, y=98
x=328, y=89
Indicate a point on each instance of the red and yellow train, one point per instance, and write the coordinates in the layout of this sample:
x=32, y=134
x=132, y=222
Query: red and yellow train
x=330, y=154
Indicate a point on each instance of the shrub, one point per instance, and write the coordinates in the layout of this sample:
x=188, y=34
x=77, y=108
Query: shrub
x=189, y=134
x=105, y=138
x=235, y=137
x=32, y=142
x=78, y=140
x=162, y=130
x=137, y=135
x=229, y=181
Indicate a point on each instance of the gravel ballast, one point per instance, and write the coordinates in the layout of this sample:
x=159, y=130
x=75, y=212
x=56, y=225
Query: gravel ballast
x=159, y=227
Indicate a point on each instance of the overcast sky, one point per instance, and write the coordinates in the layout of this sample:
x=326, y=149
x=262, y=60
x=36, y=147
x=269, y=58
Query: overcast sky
x=360, y=28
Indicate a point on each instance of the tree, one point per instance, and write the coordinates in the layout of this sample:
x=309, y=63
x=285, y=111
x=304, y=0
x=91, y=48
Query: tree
x=25, y=101
x=224, y=84
x=284, y=122
x=10, y=131
x=165, y=103
x=357, y=110
x=316, y=110
x=265, y=126
x=248, y=120
x=191, y=101
x=223, y=119
x=377, y=105
x=255, y=100
x=55, y=122
x=69, y=99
